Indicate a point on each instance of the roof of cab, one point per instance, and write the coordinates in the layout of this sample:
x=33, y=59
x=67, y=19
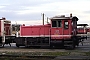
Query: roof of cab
x=60, y=17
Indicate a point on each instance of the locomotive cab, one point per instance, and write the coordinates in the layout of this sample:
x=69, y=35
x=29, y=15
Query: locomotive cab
x=64, y=31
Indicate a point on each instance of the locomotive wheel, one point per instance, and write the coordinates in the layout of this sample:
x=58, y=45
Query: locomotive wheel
x=52, y=46
x=17, y=45
x=72, y=47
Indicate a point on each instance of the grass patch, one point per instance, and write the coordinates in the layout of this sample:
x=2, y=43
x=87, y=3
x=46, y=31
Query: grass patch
x=57, y=53
x=87, y=53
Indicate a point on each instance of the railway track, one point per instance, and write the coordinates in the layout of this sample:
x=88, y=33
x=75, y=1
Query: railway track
x=20, y=57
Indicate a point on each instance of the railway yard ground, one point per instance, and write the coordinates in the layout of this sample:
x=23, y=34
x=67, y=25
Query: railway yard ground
x=44, y=53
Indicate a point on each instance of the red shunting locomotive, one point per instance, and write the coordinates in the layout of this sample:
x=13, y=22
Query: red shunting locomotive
x=60, y=32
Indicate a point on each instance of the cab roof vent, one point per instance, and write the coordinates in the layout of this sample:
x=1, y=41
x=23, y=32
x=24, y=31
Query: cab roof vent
x=62, y=15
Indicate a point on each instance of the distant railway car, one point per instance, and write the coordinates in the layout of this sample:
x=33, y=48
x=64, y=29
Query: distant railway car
x=5, y=31
x=88, y=29
x=82, y=29
x=62, y=31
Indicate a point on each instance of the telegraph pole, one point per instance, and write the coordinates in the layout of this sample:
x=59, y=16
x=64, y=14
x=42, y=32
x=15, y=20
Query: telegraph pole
x=43, y=18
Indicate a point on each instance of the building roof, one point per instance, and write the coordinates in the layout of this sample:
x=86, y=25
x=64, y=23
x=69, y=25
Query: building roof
x=82, y=24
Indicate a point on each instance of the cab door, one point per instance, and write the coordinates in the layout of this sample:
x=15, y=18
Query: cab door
x=66, y=28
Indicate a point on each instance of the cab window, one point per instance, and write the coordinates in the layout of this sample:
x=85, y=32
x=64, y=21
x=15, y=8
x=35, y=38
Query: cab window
x=66, y=24
x=59, y=23
x=56, y=23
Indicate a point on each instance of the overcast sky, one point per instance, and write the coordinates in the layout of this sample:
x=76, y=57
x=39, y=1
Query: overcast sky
x=30, y=10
